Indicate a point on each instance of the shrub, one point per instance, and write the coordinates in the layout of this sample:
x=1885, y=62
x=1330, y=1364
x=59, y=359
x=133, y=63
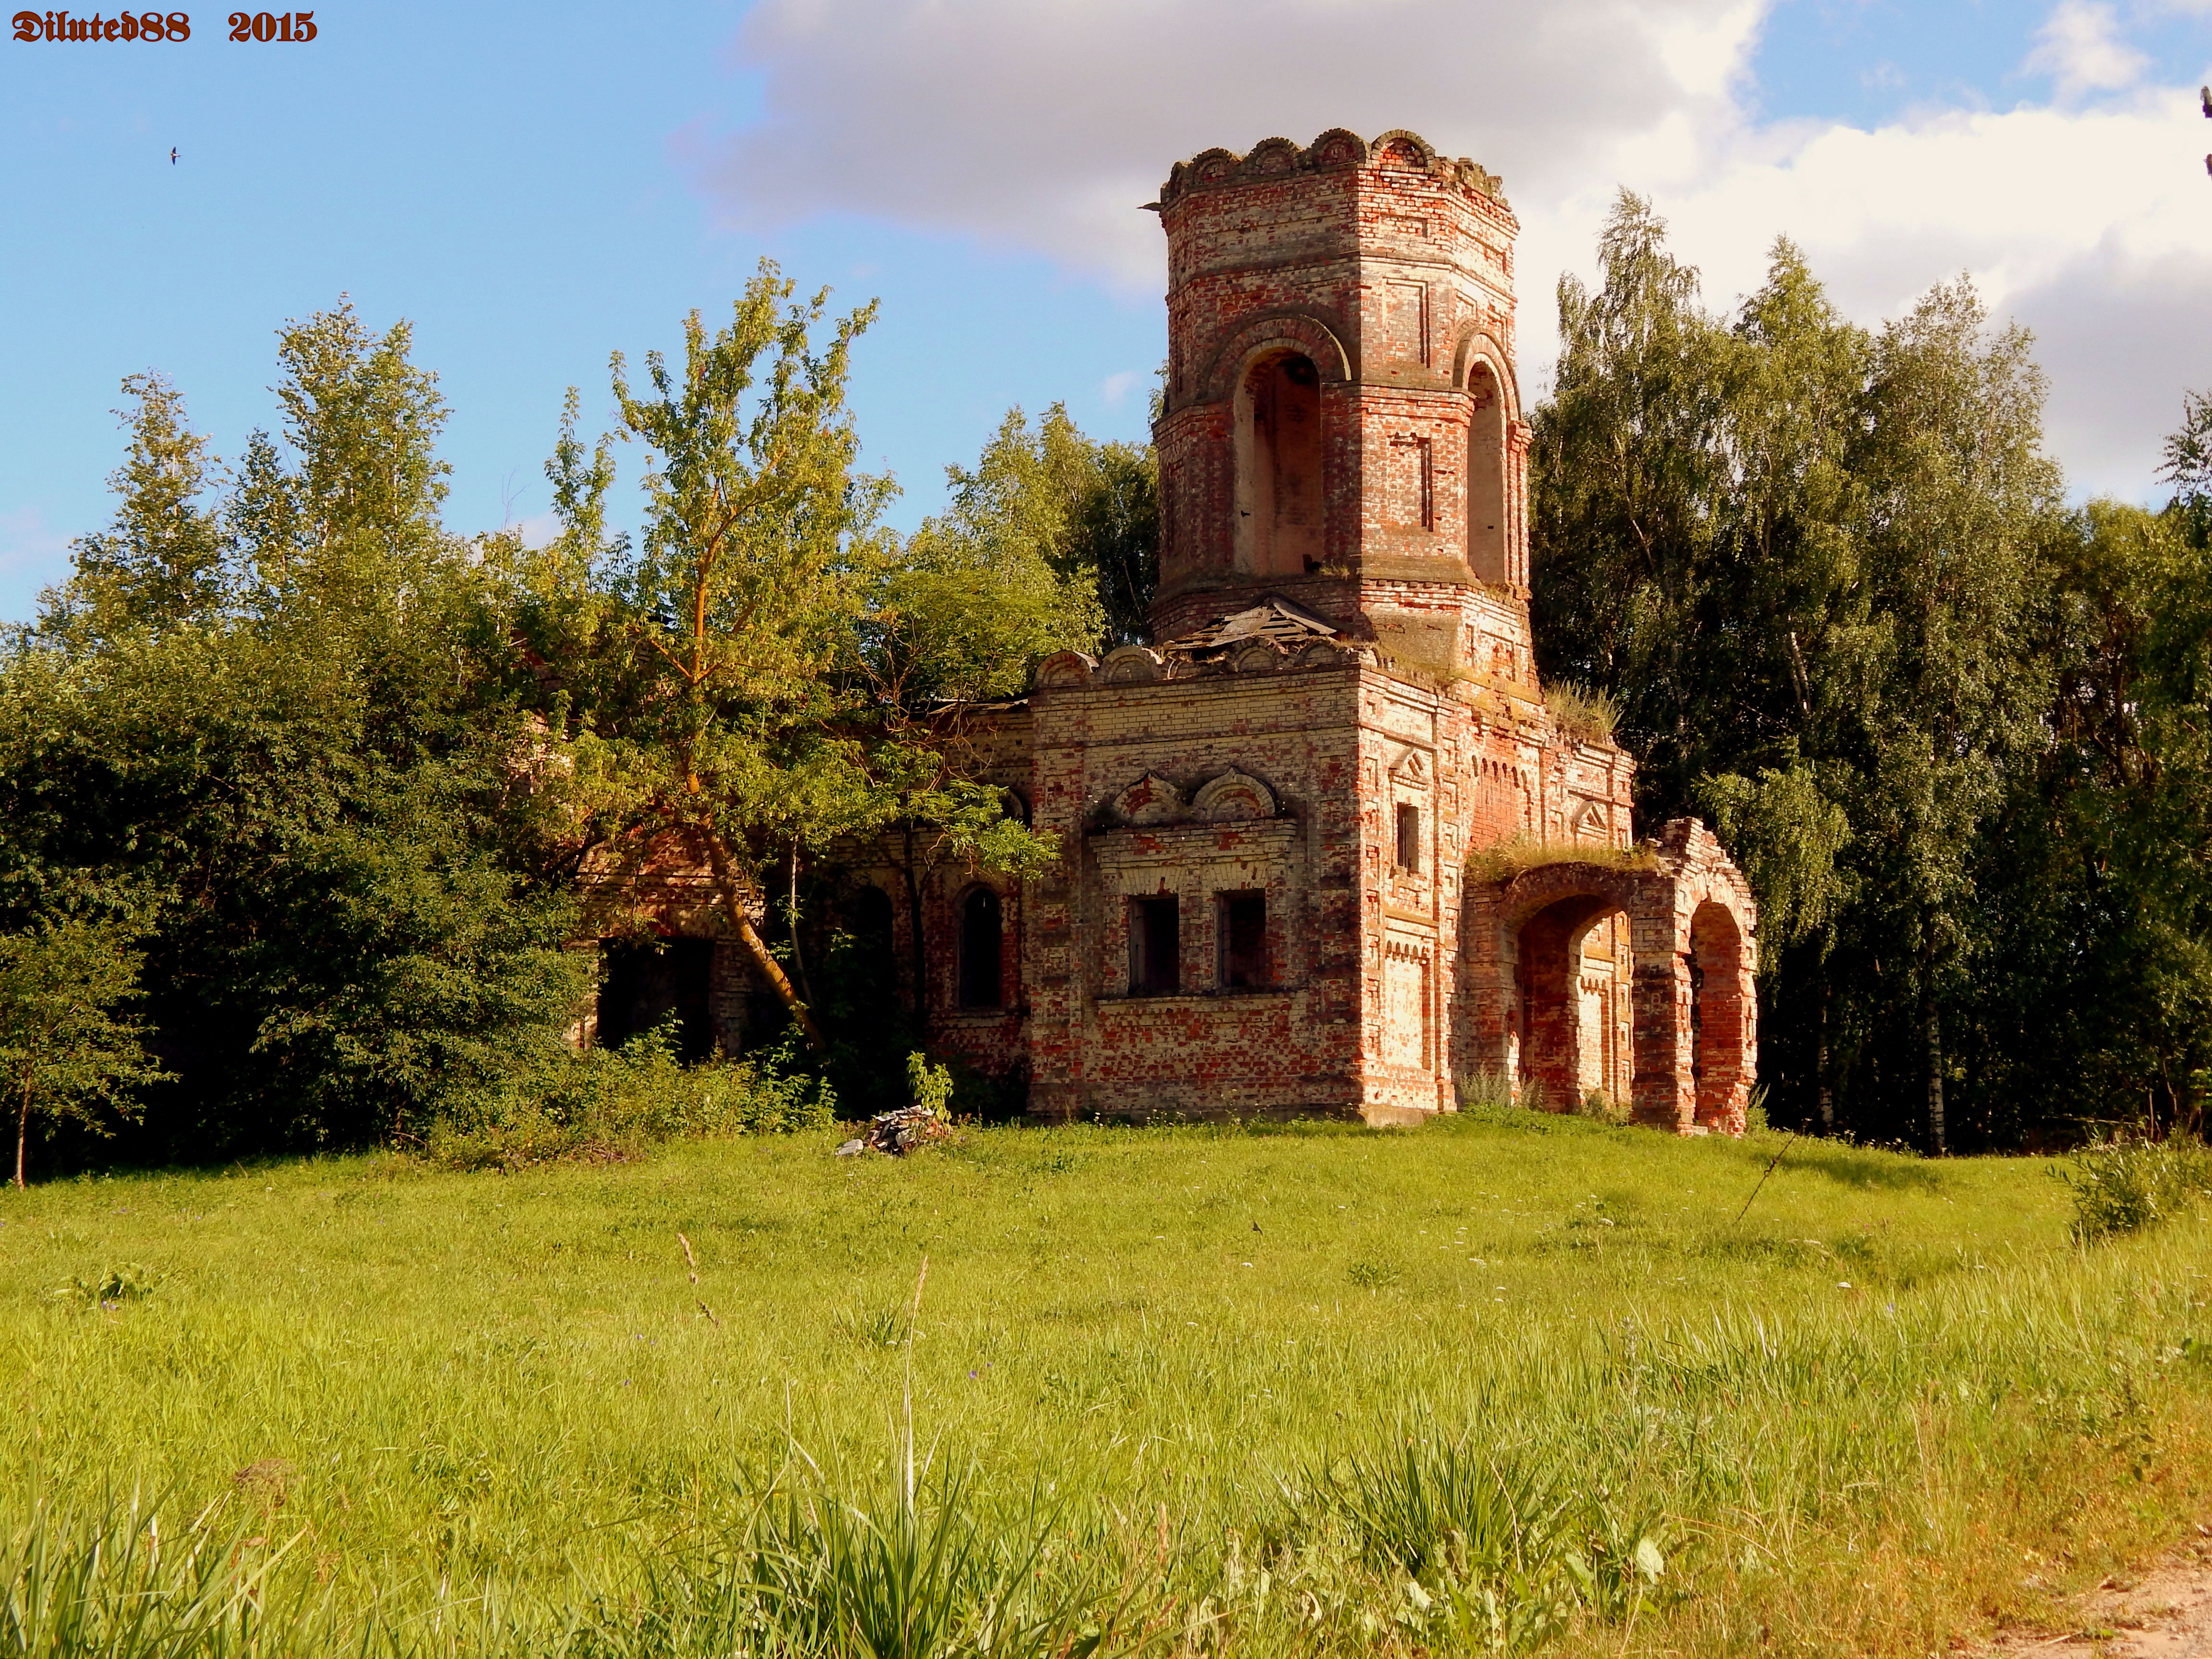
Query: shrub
x=1596, y=1104
x=2124, y=1185
x=610, y=1103
x=930, y=1085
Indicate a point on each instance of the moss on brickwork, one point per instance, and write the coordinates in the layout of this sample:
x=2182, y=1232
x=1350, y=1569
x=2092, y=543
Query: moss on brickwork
x=1505, y=859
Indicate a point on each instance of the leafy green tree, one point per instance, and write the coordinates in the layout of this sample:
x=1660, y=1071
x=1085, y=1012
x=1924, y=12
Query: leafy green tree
x=160, y=564
x=304, y=790
x=1113, y=528
x=66, y=1052
x=717, y=692
x=1805, y=561
x=984, y=591
x=1963, y=508
x=1628, y=464
x=1050, y=543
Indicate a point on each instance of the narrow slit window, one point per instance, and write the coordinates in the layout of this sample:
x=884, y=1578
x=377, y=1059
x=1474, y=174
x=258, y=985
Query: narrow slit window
x=1409, y=838
x=1243, y=941
x=1155, y=946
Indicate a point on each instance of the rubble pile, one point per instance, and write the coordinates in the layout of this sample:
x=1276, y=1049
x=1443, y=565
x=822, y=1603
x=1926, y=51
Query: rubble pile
x=898, y=1132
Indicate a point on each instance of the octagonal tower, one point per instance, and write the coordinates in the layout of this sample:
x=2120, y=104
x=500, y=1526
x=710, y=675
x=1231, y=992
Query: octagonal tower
x=1342, y=425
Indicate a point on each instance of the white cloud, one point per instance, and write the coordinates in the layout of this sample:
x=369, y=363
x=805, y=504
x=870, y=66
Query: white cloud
x=537, y=530
x=1043, y=123
x=1046, y=124
x=2093, y=226
x=2080, y=48
x=1115, y=387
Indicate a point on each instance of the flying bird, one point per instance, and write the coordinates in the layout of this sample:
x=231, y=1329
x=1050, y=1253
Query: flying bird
x=2205, y=93
x=172, y=155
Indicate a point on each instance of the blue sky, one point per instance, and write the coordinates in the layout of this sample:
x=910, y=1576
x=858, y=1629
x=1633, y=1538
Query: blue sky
x=535, y=186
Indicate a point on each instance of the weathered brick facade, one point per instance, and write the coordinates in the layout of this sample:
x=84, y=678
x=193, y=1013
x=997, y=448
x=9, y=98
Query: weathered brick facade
x=1325, y=848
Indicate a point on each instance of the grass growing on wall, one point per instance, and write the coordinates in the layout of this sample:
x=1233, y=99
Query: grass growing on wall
x=1506, y=1383
x=1502, y=860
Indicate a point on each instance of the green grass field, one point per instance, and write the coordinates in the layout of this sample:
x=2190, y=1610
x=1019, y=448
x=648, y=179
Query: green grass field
x=1507, y=1382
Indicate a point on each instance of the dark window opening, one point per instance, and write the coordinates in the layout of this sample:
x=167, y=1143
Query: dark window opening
x=1155, y=947
x=981, y=932
x=1280, y=510
x=649, y=984
x=1244, y=940
x=868, y=917
x=1488, y=550
x=1409, y=839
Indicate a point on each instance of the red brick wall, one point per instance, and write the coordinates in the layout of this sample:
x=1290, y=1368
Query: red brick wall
x=1390, y=268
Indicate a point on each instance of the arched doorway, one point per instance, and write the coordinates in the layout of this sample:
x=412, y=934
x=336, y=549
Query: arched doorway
x=1717, y=1013
x=1572, y=1003
x=1280, y=507
x=1670, y=930
x=648, y=983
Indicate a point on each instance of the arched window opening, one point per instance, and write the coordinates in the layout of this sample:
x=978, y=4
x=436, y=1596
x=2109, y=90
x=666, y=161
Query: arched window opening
x=1280, y=510
x=1487, y=533
x=1717, y=1010
x=983, y=933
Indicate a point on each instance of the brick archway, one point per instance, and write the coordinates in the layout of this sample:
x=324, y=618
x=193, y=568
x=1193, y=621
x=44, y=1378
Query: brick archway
x=1719, y=1006
x=1571, y=1003
x=1691, y=928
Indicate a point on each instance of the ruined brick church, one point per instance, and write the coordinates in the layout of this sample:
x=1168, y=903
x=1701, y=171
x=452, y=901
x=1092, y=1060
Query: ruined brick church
x=1325, y=848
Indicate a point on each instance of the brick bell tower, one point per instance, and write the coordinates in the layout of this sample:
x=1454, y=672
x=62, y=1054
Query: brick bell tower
x=1269, y=900
x=1342, y=425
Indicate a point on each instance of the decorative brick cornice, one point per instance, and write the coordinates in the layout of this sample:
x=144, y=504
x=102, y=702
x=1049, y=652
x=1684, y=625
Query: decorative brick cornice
x=1271, y=159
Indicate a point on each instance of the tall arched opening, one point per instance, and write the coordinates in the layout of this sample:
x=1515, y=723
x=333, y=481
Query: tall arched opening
x=1487, y=537
x=1572, y=1004
x=982, y=941
x=1717, y=1012
x=1281, y=510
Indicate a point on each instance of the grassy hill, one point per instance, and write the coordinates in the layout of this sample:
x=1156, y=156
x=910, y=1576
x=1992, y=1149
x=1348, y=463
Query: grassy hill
x=1507, y=1382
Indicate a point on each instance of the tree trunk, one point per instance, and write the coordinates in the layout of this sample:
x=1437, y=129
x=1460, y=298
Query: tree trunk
x=22, y=1131
x=730, y=886
x=1932, y=1024
x=917, y=948
x=798, y=957
x=1824, y=1090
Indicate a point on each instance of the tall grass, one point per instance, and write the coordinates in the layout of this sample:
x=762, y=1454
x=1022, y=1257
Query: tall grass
x=1566, y=1403
x=103, y=1583
x=1582, y=712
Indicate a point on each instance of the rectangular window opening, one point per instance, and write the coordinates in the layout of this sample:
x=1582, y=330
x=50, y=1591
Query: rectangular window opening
x=1409, y=838
x=1155, y=946
x=1244, y=941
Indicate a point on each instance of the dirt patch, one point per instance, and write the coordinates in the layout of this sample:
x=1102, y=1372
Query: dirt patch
x=2164, y=1613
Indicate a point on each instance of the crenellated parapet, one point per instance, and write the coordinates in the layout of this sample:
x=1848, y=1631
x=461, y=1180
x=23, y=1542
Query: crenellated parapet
x=1336, y=149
